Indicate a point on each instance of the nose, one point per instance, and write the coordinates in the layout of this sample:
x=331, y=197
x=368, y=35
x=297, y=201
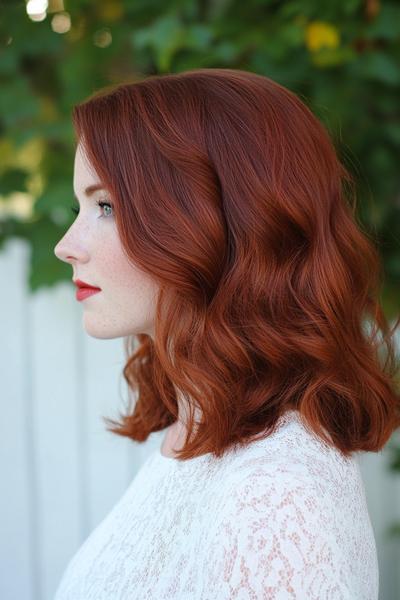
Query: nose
x=70, y=250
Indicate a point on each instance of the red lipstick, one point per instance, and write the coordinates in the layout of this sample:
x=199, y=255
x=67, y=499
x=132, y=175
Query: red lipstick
x=85, y=289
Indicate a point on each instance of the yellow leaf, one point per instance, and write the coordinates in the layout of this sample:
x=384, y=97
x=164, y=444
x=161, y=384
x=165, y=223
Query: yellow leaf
x=320, y=34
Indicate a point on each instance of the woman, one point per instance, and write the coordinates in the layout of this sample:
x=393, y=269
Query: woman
x=216, y=225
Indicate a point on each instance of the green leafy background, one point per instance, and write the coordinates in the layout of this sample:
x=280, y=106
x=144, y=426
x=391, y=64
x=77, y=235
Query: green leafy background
x=341, y=57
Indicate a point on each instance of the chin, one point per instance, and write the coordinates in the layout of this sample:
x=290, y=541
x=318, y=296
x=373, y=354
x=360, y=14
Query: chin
x=102, y=335
x=110, y=331
x=102, y=331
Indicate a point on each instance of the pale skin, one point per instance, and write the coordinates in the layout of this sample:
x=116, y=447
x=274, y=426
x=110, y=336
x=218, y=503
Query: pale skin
x=126, y=304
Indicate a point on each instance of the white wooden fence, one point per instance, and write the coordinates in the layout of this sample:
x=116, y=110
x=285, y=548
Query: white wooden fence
x=61, y=471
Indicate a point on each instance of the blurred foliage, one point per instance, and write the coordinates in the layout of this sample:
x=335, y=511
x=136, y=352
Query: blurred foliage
x=341, y=58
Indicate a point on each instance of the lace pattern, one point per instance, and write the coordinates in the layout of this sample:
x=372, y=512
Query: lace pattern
x=285, y=517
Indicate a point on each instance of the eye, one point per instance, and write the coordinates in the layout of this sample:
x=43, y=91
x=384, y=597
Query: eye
x=106, y=204
x=75, y=209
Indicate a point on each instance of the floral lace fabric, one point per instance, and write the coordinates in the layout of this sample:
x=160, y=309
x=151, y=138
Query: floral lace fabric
x=283, y=518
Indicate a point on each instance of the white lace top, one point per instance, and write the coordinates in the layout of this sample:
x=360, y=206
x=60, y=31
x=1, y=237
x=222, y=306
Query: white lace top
x=285, y=517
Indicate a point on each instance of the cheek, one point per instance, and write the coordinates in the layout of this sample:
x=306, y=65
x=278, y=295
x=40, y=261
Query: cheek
x=113, y=264
x=125, y=281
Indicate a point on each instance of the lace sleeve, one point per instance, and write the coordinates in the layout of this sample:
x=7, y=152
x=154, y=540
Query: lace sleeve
x=276, y=542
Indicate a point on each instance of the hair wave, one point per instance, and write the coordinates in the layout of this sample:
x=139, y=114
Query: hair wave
x=228, y=191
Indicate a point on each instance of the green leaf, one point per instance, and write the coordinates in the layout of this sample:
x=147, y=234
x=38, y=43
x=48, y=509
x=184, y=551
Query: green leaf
x=386, y=25
x=380, y=67
x=332, y=57
x=9, y=61
x=18, y=105
x=165, y=36
x=45, y=268
x=55, y=201
x=13, y=180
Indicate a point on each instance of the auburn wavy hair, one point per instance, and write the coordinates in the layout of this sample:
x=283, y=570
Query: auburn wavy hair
x=228, y=191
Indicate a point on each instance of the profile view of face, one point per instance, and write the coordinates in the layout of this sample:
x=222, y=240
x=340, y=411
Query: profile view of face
x=126, y=303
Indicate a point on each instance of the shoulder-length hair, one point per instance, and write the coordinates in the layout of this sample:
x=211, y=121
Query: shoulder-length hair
x=228, y=191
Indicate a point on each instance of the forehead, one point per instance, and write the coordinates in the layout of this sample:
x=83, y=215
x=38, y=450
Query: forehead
x=84, y=174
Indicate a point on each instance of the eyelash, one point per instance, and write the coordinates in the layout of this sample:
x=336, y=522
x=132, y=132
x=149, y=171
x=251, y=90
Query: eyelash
x=75, y=210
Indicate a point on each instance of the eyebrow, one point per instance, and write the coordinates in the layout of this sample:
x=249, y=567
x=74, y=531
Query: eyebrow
x=90, y=189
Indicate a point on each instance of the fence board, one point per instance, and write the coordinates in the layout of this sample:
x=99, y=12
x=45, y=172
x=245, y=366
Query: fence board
x=19, y=578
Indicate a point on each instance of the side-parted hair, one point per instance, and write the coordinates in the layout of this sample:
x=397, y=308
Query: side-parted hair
x=227, y=190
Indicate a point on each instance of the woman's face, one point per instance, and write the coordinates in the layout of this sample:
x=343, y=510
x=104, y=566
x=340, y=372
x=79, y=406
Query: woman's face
x=126, y=303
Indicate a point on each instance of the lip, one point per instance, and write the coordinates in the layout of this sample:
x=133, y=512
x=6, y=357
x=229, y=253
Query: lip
x=85, y=292
x=84, y=289
x=79, y=283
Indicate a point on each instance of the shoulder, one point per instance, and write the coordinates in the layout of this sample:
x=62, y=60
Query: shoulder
x=293, y=455
x=276, y=539
x=276, y=492
x=287, y=528
x=294, y=477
